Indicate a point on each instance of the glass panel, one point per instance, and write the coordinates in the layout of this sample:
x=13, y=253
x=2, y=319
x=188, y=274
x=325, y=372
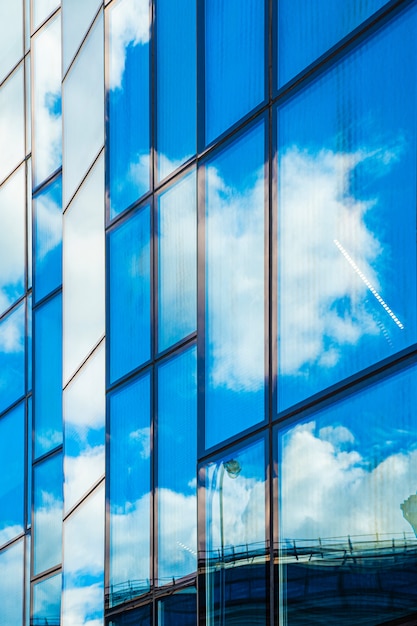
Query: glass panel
x=11, y=35
x=48, y=376
x=84, y=433
x=77, y=16
x=41, y=9
x=177, y=262
x=29, y=342
x=347, y=200
x=12, y=239
x=83, y=574
x=84, y=110
x=236, y=585
x=12, y=473
x=130, y=294
x=128, y=98
x=12, y=122
x=11, y=588
x=29, y=220
x=84, y=268
x=28, y=116
x=176, y=83
x=139, y=617
x=47, y=602
x=235, y=287
x=348, y=499
x=181, y=608
x=234, y=69
x=130, y=451
x=177, y=461
x=27, y=580
x=29, y=460
x=12, y=357
x=47, y=520
x=48, y=239
x=307, y=28
x=46, y=57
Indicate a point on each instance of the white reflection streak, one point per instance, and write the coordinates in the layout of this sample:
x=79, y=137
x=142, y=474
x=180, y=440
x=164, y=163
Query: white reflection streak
x=368, y=284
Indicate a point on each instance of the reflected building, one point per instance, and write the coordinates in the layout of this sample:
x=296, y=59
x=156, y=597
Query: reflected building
x=208, y=317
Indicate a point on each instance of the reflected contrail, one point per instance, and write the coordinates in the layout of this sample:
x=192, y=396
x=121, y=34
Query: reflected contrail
x=368, y=284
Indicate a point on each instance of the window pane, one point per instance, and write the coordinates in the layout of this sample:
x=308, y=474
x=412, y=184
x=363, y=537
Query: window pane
x=12, y=473
x=130, y=294
x=47, y=522
x=180, y=608
x=12, y=123
x=177, y=262
x=176, y=83
x=348, y=499
x=11, y=35
x=235, y=287
x=139, y=617
x=130, y=475
x=48, y=239
x=77, y=16
x=12, y=357
x=234, y=64
x=41, y=9
x=347, y=221
x=47, y=602
x=11, y=588
x=177, y=460
x=236, y=583
x=128, y=97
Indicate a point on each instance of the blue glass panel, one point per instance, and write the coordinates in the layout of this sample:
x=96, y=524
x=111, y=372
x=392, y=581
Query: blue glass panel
x=48, y=239
x=47, y=602
x=48, y=376
x=236, y=549
x=47, y=520
x=139, y=617
x=348, y=477
x=12, y=473
x=176, y=83
x=235, y=287
x=177, y=262
x=307, y=28
x=29, y=220
x=130, y=467
x=347, y=220
x=234, y=63
x=128, y=97
x=177, y=461
x=180, y=608
x=29, y=342
x=130, y=294
x=11, y=588
x=12, y=122
x=12, y=357
x=83, y=570
x=29, y=460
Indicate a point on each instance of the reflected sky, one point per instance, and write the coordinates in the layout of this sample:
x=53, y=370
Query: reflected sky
x=12, y=470
x=11, y=588
x=47, y=601
x=48, y=239
x=76, y=18
x=41, y=9
x=11, y=35
x=12, y=356
x=12, y=129
x=47, y=522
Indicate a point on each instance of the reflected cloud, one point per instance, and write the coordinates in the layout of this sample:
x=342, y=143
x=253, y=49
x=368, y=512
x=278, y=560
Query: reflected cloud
x=142, y=437
x=12, y=131
x=81, y=471
x=12, y=333
x=48, y=224
x=11, y=588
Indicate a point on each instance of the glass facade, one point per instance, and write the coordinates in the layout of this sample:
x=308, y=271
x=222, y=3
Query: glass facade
x=208, y=312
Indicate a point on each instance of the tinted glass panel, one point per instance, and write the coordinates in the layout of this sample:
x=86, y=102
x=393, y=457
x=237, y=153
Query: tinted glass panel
x=129, y=131
x=47, y=602
x=235, y=287
x=130, y=451
x=234, y=63
x=180, y=608
x=29, y=461
x=130, y=294
x=12, y=357
x=177, y=262
x=177, y=459
x=139, y=617
x=12, y=123
x=11, y=35
x=176, y=83
x=347, y=199
x=348, y=506
x=47, y=521
x=12, y=473
x=11, y=588
x=76, y=18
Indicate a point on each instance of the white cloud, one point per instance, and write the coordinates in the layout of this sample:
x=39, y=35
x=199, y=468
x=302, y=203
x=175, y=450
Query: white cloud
x=12, y=333
x=81, y=472
x=12, y=137
x=142, y=437
x=48, y=224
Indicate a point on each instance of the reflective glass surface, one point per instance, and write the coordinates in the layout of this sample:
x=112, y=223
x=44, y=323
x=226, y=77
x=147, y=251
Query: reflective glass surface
x=176, y=83
x=12, y=239
x=47, y=519
x=83, y=97
x=11, y=35
x=12, y=122
x=48, y=239
x=47, y=602
x=348, y=503
x=236, y=588
x=84, y=420
x=139, y=617
x=29, y=220
x=29, y=461
x=48, y=376
x=11, y=588
x=234, y=62
x=46, y=77
x=12, y=473
x=128, y=98
x=235, y=287
x=180, y=608
x=41, y=9
x=129, y=480
x=28, y=116
x=77, y=16
x=29, y=342
x=12, y=357
x=347, y=199
x=177, y=262
x=177, y=459
x=84, y=267
x=130, y=294
x=83, y=568
x=307, y=28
